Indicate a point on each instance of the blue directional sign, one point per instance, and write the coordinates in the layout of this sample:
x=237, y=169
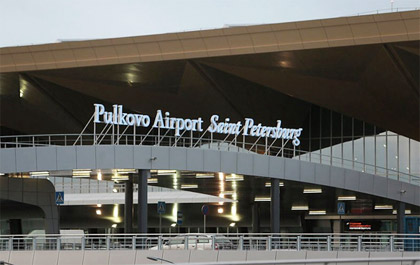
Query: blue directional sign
x=205, y=209
x=161, y=207
x=59, y=197
x=341, y=208
x=179, y=218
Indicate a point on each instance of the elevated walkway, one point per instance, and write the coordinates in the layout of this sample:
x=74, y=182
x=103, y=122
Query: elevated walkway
x=68, y=152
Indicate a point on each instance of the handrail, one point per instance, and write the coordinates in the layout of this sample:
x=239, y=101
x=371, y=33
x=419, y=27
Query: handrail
x=315, y=242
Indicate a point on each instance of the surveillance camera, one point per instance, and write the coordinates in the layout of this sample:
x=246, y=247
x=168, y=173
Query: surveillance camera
x=403, y=191
x=153, y=158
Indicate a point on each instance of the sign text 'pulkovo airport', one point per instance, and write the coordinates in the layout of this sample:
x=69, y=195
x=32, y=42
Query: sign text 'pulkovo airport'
x=164, y=121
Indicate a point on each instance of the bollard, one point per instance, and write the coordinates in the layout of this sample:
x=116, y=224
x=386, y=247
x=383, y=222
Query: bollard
x=269, y=242
x=160, y=243
x=213, y=242
x=359, y=243
x=391, y=243
x=299, y=246
x=107, y=243
x=133, y=243
x=241, y=243
x=329, y=243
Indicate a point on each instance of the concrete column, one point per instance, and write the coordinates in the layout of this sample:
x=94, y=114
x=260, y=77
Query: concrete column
x=255, y=218
x=128, y=205
x=142, y=201
x=275, y=205
x=400, y=218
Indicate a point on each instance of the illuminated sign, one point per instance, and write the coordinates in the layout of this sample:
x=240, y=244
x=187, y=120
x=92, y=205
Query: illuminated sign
x=359, y=226
x=163, y=120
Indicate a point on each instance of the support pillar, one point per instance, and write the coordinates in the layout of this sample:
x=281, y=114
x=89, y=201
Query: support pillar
x=275, y=205
x=255, y=218
x=400, y=218
x=128, y=205
x=142, y=201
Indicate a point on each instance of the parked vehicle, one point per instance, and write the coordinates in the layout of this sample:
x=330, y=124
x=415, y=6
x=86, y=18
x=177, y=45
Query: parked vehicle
x=197, y=242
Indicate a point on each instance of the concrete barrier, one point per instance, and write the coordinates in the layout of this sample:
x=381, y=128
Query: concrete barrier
x=133, y=257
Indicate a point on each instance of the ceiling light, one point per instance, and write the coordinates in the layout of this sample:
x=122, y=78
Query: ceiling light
x=98, y=212
x=232, y=224
x=383, y=207
x=300, y=208
x=98, y=205
x=262, y=199
x=234, y=177
x=173, y=225
x=81, y=173
x=346, y=198
x=189, y=186
x=408, y=211
x=114, y=226
x=166, y=172
x=39, y=173
x=126, y=171
x=309, y=191
x=152, y=180
x=114, y=190
x=220, y=210
x=99, y=175
x=318, y=212
x=1, y=174
x=221, y=176
x=268, y=184
x=203, y=176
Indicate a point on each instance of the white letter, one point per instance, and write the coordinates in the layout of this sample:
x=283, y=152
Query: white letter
x=99, y=110
x=248, y=123
x=158, y=119
x=213, y=121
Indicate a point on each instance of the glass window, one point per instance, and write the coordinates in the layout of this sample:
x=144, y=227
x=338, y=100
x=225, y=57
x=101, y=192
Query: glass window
x=392, y=156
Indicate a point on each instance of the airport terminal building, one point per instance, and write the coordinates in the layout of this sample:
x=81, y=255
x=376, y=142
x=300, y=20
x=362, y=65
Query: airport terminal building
x=301, y=127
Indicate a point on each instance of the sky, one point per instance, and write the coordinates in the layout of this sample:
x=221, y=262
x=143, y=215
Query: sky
x=26, y=22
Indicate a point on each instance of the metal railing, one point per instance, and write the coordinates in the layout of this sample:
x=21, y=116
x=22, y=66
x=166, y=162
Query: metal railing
x=313, y=242
x=230, y=143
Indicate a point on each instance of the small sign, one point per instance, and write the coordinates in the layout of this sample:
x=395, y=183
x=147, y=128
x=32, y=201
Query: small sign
x=179, y=218
x=161, y=207
x=59, y=197
x=341, y=208
x=205, y=209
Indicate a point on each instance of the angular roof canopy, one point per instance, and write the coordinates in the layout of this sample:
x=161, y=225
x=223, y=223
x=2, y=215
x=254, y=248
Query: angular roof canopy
x=365, y=67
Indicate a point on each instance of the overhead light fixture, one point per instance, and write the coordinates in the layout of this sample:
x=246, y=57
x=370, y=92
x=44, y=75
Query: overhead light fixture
x=384, y=207
x=81, y=173
x=166, y=172
x=118, y=176
x=268, y=184
x=309, y=191
x=1, y=174
x=262, y=199
x=114, y=190
x=98, y=205
x=99, y=175
x=189, y=186
x=300, y=208
x=234, y=177
x=220, y=210
x=232, y=224
x=152, y=180
x=318, y=212
x=98, y=212
x=39, y=173
x=408, y=211
x=126, y=171
x=203, y=176
x=221, y=176
x=114, y=226
x=346, y=198
x=173, y=224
